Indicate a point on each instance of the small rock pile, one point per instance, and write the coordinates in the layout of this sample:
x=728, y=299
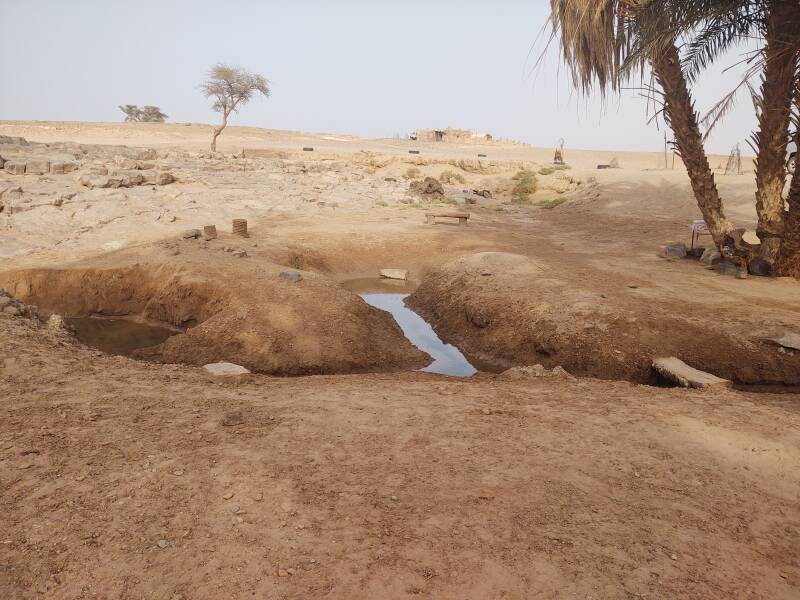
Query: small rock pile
x=9, y=305
x=427, y=187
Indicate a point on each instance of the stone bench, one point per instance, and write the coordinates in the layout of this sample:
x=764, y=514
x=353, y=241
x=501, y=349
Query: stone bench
x=462, y=217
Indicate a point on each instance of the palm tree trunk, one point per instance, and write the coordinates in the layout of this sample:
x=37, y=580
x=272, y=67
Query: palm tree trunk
x=681, y=116
x=780, y=68
x=789, y=258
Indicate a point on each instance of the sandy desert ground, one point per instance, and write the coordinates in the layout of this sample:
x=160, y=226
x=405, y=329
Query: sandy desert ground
x=337, y=469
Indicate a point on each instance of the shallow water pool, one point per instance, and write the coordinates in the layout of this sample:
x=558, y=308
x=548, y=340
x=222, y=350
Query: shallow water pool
x=118, y=335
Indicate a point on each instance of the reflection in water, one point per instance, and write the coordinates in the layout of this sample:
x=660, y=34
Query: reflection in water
x=447, y=359
x=390, y=295
x=379, y=285
x=117, y=336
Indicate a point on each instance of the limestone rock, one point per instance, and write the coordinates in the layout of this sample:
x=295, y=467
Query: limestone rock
x=673, y=251
x=225, y=371
x=789, y=340
x=37, y=167
x=14, y=167
x=56, y=323
x=191, y=234
x=536, y=371
x=678, y=372
x=62, y=167
x=710, y=257
x=292, y=276
x=394, y=274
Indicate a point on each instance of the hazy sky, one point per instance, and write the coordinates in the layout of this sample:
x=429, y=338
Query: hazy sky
x=368, y=67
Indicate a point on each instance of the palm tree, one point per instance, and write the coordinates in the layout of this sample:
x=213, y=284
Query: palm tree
x=608, y=42
x=601, y=42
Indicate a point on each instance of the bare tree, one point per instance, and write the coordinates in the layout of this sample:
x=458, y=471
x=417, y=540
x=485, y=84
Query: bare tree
x=133, y=113
x=229, y=87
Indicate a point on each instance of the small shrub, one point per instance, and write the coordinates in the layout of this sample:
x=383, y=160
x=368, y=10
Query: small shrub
x=546, y=171
x=525, y=186
x=413, y=173
x=561, y=167
x=451, y=176
x=551, y=203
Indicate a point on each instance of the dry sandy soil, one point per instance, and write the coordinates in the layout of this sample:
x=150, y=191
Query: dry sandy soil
x=123, y=478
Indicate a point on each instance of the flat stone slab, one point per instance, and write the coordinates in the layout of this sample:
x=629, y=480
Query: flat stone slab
x=681, y=374
x=789, y=340
x=225, y=370
x=394, y=274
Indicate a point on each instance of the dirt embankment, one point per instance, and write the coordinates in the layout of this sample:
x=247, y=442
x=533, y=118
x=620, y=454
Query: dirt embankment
x=235, y=309
x=512, y=309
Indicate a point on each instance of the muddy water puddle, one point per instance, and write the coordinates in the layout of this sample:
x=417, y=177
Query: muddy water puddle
x=389, y=295
x=118, y=335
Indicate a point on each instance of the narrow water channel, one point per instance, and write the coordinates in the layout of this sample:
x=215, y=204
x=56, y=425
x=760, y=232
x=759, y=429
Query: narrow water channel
x=390, y=295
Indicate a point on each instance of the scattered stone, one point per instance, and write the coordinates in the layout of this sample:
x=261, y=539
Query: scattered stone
x=283, y=573
x=759, y=267
x=225, y=370
x=673, y=251
x=726, y=267
x=164, y=178
x=191, y=234
x=240, y=253
x=678, y=372
x=232, y=419
x=62, y=167
x=227, y=496
x=235, y=508
x=115, y=245
x=536, y=371
x=14, y=167
x=56, y=323
x=394, y=274
x=162, y=543
x=695, y=252
x=483, y=193
x=710, y=257
x=12, y=310
x=292, y=276
x=789, y=340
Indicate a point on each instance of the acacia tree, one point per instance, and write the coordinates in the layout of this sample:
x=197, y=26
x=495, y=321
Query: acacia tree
x=148, y=114
x=230, y=87
x=606, y=42
x=153, y=114
x=133, y=114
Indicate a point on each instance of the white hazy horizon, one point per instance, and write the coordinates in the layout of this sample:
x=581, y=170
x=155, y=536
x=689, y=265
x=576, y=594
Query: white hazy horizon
x=351, y=67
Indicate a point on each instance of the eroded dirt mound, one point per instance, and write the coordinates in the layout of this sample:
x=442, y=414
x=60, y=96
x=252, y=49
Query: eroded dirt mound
x=236, y=310
x=509, y=308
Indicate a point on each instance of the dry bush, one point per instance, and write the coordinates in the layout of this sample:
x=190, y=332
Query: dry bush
x=449, y=176
x=526, y=185
x=413, y=173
